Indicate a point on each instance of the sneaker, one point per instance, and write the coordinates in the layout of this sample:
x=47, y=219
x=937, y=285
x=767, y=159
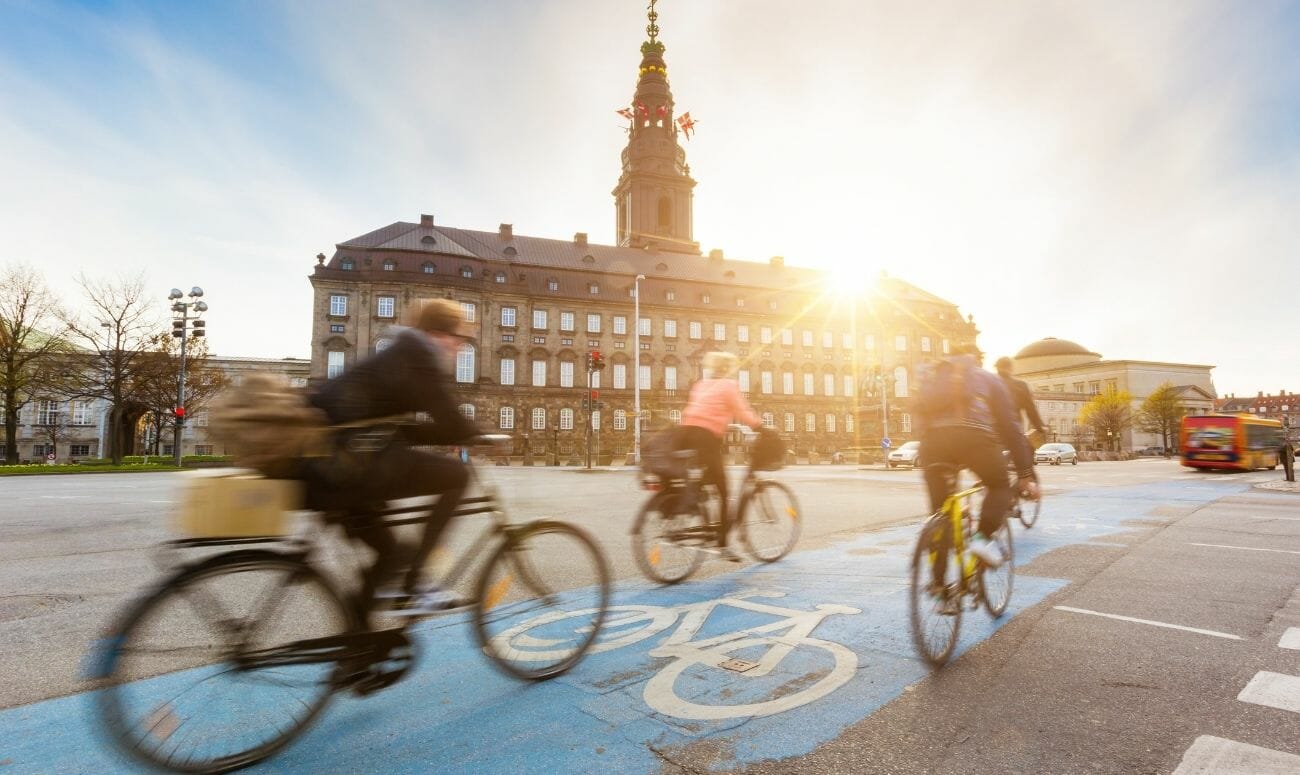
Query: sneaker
x=946, y=600
x=428, y=600
x=987, y=551
x=724, y=553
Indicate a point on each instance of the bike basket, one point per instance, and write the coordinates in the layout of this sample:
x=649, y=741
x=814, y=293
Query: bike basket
x=236, y=503
x=767, y=453
x=658, y=458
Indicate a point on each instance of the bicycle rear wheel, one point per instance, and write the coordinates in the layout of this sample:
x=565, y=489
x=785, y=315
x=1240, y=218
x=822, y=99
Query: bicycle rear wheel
x=770, y=521
x=177, y=694
x=1028, y=511
x=542, y=599
x=666, y=537
x=995, y=583
x=936, y=601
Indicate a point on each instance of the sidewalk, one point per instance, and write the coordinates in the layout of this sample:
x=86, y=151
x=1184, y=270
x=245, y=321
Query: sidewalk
x=1281, y=485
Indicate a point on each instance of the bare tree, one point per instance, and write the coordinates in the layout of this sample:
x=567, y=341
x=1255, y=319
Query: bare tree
x=51, y=425
x=117, y=331
x=1107, y=416
x=1160, y=413
x=155, y=386
x=31, y=336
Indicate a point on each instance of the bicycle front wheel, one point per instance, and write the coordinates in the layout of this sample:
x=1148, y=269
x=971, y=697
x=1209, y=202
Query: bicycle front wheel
x=1028, y=511
x=666, y=537
x=936, y=599
x=178, y=694
x=542, y=599
x=770, y=521
x=995, y=583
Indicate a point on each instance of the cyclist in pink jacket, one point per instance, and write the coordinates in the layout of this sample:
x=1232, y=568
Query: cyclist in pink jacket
x=714, y=402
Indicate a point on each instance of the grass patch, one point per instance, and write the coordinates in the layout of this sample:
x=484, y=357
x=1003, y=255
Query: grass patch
x=42, y=470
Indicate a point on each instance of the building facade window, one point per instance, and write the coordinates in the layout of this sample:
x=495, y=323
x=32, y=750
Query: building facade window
x=643, y=376
x=593, y=323
x=675, y=416
x=507, y=371
x=499, y=277
x=808, y=387
x=539, y=373
x=347, y=265
x=466, y=411
x=566, y=374
x=643, y=327
x=765, y=382
x=566, y=419
x=539, y=319
x=471, y=311
x=907, y=423
x=620, y=376
x=593, y=289
x=900, y=382
x=810, y=422
x=769, y=420
x=787, y=383
x=848, y=386
x=620, y=420
x=467, y=272
x=670, y=295
x=830, y=423
x=508, y=316
x=465, y=363
x=566, y=321
x=552, y=284
x=390, y=265
x=696, y=330
x=670, y=377
x=384, y=306
x=846, y=341
x=539, y=418
x=507, y=418
x=81, y=413
x=947, y=347
x=788, y=422
x=787, y=337
x=719, y=332
x=427, y=267
x=338, y=305
x=595, y=420
x=828, y=384
x=47, y=413
x=670, y=329
x=925, y=344
x=765, y=334
x=807, y=338
x=83, y=450
x=333, y=363
x=900, y=342
x=848, y=423
x=620, y=325
x=742, y=377
x=828, y=340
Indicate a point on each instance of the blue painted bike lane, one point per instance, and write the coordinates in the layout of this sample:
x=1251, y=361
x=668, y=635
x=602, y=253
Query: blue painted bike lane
x=822, y=641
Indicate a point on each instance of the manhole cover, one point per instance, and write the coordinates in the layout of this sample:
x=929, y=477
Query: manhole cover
x=738, y=665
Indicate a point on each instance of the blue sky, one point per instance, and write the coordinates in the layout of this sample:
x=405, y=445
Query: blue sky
x=1126, y=175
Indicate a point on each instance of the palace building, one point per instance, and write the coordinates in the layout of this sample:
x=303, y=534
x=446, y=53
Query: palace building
x=811, y=360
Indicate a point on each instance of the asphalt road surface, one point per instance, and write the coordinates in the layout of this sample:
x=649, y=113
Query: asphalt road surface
x=1155, y=627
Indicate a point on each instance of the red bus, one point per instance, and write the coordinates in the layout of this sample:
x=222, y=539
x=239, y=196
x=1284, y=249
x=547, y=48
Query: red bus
x=1238, y=442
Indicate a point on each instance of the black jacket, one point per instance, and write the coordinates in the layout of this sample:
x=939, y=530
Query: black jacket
x=401, y=379
x=1023, y=401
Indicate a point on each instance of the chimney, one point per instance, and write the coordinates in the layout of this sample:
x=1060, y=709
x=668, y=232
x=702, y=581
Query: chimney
x=1261, y=394
x=778, y=261
x=426, y=220
x=506, y=231
x=580, y=238
x=715, y=255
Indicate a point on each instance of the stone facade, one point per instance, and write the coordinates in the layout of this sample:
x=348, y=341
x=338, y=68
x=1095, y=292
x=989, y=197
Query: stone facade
x=1284, y=406
x=539, y=306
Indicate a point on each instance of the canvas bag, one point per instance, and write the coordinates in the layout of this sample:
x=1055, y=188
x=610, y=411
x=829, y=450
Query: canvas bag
x=270, y=427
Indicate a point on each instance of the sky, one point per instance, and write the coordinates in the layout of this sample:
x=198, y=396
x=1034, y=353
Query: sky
x=1124, y=175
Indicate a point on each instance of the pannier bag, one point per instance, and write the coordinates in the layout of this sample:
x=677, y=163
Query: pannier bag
x=767, y=453
x=268, y=426
x=235, y=503
x=657, y=457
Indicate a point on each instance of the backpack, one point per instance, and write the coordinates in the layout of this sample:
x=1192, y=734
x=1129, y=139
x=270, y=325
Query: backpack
x=268, y=426
x=943, y=391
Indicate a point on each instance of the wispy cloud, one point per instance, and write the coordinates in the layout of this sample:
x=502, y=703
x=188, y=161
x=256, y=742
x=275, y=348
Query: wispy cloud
x=1120, y=174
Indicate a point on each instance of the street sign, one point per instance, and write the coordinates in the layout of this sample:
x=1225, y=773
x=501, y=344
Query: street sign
x=884, y=443
x=49, y=458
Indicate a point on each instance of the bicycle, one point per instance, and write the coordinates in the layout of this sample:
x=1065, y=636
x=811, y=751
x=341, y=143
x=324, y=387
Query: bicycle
x=679, y=522
x=946, y=579
x=230, y=657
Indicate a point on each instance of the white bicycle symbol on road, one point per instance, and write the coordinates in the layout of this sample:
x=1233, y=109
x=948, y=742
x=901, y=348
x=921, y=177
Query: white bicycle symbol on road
x=630, y=624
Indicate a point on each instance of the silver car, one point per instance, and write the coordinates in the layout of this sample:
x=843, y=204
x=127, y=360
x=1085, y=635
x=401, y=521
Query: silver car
x=904, y=455
x=1056, y=454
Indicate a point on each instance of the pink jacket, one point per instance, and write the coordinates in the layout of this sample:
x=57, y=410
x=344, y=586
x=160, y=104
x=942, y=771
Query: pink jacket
x=714, y=403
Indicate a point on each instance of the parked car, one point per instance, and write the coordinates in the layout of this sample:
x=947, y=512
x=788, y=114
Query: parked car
x=904, y=455
x=1151, y=451
x=1056, y=454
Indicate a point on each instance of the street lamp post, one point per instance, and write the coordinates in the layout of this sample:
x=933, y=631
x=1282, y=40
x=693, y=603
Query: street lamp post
x=181, y=326
x=636, y=361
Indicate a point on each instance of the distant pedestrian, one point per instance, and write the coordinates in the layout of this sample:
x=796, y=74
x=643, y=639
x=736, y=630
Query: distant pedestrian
x=1286, y=456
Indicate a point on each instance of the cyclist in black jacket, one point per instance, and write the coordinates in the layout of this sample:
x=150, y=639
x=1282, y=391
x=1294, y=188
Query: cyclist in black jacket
x=410, y=375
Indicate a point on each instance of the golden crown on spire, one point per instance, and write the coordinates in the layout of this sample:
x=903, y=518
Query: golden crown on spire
x=652, y=29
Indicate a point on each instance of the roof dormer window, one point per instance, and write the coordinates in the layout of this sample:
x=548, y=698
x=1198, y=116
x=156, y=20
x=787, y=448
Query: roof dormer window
x=389, y=265
x=467, y=272
x=427, y=267
x=346, y=265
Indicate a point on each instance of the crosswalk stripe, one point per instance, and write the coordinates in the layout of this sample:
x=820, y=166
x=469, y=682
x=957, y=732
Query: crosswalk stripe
x=1210, y=755
x=1290, y=639
x=1276, y=690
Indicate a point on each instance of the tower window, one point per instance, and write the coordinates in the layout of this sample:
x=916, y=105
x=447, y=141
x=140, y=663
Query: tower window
x=665, y=213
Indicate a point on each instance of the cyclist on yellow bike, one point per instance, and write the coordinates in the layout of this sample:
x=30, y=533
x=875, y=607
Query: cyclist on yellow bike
x=965, y=418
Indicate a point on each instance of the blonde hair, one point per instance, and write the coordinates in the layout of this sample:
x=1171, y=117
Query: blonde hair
x=442, y=315
x=721, y=365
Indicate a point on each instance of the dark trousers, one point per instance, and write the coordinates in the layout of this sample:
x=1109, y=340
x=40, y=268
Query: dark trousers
x=398, y=473
x=977, y=450
x=708, y=448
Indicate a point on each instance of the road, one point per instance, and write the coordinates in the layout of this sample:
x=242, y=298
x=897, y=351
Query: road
x=1204, y=570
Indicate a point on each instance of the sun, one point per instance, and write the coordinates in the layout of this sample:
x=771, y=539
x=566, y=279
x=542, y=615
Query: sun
x=847, y=279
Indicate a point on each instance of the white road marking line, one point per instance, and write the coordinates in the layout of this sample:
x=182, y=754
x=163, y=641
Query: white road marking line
x=1284, y=519
x=1276, y=690
x=1290, y=639
x=1247, y=548
x=1215, y=633
x=1210, y=755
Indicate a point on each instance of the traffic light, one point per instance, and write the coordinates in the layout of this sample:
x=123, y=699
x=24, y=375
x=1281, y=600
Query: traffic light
x=180, y=414
x=595, y=361
x=586, y=404
x=178, y=328
x=199, y=328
